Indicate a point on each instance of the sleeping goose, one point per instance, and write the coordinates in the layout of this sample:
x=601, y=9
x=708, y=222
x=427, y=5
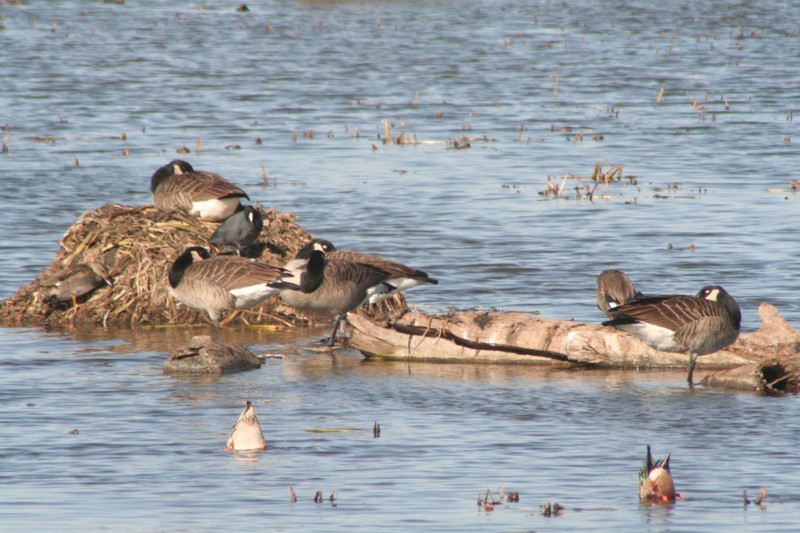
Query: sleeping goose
x=221, y=284
x=178, y=187
x=697, y=325
x=614, y=288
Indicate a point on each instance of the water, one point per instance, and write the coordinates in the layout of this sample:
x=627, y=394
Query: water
x=149, y=453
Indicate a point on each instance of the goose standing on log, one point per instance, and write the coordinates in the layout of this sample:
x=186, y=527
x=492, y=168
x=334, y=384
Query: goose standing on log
x=221, y=284
x=331, y=289
x=697, y=325
x=400, y=277
x=239, y=231
x=178, y=187
x=614, y=288
x=77, y=280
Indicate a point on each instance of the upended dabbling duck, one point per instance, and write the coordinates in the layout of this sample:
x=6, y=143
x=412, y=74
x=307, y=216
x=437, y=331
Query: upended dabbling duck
x=655, y=480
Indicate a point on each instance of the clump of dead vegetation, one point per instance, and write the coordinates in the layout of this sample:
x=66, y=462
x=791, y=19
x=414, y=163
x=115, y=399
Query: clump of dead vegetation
x=138, y=245
x=586, y=187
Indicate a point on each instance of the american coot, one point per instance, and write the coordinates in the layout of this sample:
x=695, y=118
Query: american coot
x=239, y=231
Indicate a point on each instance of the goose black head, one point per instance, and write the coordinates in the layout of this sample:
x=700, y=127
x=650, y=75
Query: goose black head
x=717, y=294
x=320, y=245
x=176, y=166
x=190, y=255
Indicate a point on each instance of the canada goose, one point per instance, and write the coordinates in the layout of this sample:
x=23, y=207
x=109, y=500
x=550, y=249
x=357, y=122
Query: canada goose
x=220, y=284
x=77, y=280
x=238, y=231
x=332, y=288
x=178, y=187
x=246, y=433
x=399, y=276
x=697, y=325
x=655, y=480
x=614, y=288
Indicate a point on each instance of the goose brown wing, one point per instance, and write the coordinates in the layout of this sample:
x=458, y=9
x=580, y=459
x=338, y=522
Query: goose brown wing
x=232, y=272
x=671, y=312
x=354, y=273
x=393, y=269
x=199, y=185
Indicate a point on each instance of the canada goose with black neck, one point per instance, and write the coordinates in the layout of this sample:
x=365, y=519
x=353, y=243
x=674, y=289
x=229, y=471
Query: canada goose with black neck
x=696, y=325
x=332, y=288
x=177, y=186
x=217, y=285
x=399, y=276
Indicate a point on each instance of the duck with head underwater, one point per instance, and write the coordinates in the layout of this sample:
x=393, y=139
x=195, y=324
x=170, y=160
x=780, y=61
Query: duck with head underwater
x=655, y=480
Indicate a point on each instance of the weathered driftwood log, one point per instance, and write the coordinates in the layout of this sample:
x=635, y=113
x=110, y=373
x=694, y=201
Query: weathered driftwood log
x=776, y=350
x=137, y=245
x=513, y=337
x=206, y=356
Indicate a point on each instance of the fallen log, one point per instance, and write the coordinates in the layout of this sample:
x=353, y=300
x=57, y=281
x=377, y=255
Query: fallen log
x=522, y=338
x=773, y=374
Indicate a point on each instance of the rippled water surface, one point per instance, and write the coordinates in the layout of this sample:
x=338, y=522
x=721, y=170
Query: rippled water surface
x=695, y=102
